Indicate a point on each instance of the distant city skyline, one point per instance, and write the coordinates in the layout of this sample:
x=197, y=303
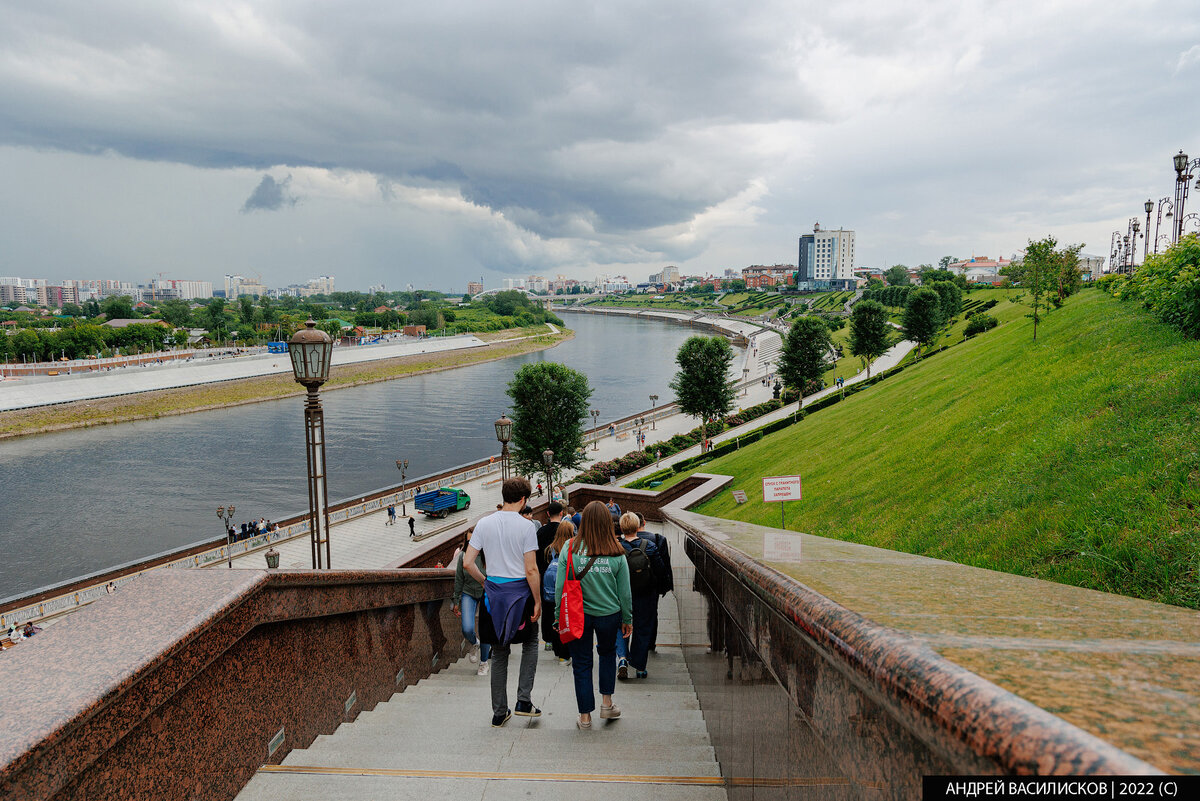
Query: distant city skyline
x=303, y=139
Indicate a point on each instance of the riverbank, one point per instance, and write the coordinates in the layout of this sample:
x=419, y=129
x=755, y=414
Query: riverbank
x=238, y=392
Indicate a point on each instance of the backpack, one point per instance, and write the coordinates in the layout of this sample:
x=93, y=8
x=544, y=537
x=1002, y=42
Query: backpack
x=641, y=573
x=550, y=578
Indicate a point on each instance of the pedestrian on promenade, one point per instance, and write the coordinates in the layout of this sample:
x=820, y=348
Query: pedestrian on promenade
x=646, y=570
x=598, y=561
x=467, y=599
x=666, y=581
x=539, y=489
x=391, y=521
x=412, y=527
x=547, y=552
x=513, y=596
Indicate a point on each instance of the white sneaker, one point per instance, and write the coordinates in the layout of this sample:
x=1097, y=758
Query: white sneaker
x=484, y=668
x=473, y=654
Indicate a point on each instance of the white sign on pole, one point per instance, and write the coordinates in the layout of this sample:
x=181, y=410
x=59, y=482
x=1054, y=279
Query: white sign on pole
x=779, y=547
x=781, y=488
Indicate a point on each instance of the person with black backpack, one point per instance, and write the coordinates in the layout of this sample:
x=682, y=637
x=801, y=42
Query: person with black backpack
x=666, y=580
x=645, y=576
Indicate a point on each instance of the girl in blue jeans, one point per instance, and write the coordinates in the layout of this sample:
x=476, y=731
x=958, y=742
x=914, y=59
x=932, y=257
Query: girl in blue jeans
x=598, y=561
x=468, y=597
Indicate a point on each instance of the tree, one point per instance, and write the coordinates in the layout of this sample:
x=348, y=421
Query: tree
x=923, y=317
x=870, y=334
x=550, y=404
x=213, y=314
x=951, y=297
x=897, y=275
x=118, y=307
x=945, y=261
x=805, y=349
x=702, y=386
x=1048, y=274
x=176, y=312
x=246, y=309
x=72, y=310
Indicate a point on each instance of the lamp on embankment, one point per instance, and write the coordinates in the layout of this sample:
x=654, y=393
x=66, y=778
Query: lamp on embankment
x=548, y=460
x=653, y=401
x=595, y=429
x=311, y=350
x=745, y=378
x=402, y=465
x=1149, y=206
x=504, y=435
x=226, y=515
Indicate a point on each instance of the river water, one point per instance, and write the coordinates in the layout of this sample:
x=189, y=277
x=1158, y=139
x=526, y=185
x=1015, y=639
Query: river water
x=79, y=501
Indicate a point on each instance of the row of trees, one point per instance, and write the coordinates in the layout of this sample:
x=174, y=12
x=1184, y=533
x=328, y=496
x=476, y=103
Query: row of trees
x=87, y=339
x=1168, y=284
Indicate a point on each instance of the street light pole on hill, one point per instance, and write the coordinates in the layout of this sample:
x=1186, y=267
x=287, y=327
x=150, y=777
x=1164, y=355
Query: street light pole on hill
x=311, y=350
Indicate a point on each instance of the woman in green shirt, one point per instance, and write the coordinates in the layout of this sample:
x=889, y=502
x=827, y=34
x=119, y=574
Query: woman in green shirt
x=599, y=562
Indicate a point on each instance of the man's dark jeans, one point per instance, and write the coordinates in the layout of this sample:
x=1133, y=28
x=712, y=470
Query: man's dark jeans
x=605, y=629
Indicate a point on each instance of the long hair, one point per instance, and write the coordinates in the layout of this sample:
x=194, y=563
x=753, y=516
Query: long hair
x=566, y=530
x=596, y=532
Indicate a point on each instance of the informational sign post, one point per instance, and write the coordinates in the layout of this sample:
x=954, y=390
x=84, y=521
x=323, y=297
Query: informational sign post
x=781, y=489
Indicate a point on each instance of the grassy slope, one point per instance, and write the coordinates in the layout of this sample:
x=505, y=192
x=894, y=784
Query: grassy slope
x=1073, y=459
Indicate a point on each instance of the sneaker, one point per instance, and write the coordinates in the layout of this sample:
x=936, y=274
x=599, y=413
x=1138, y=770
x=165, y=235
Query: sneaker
x=623, y=670
x=641, y=674
x=528, y=710
x=548, y=647
x=579, y=723
x=564, y=661
x=501, y=719
x=610, y=712
x=484, y=669
x=473, y=654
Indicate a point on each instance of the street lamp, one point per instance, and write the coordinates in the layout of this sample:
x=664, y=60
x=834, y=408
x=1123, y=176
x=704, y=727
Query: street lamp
x=226, y=515
x=1183, y=177
x=311, y=350
x=1149, y=206
x=1158, y=220
x=504, y=434
x=402, y=465
x=653, y=401
x=595, y=429
x=548, y=460
x=745, y=377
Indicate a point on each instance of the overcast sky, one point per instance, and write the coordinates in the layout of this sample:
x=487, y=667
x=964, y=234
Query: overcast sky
x=434, y=143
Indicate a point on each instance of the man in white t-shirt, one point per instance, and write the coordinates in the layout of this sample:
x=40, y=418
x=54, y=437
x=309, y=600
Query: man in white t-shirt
x=513, y=596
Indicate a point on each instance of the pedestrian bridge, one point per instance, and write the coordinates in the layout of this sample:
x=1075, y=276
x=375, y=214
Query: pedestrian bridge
x=848, y=674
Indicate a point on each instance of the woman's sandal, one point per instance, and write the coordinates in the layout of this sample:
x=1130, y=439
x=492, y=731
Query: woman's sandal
x=579, y=722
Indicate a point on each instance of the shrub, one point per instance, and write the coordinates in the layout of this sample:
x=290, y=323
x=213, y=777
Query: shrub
x=980, y=323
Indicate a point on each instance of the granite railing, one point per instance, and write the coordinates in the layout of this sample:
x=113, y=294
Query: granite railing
x=799, y=690
x=185, y=683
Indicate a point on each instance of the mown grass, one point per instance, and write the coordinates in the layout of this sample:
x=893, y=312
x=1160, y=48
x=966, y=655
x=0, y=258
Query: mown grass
x=167, y=402
x=1074, y=458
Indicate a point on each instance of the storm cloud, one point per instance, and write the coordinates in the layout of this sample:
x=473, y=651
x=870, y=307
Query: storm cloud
x=269, y=195
x=599, y=137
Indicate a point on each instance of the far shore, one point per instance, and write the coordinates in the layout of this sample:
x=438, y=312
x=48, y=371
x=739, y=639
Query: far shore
x=238, y=392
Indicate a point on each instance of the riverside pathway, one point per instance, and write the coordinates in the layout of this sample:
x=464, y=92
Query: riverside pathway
x=365, y=542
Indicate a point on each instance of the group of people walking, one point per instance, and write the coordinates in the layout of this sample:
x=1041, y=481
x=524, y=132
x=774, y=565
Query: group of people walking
x=593, y=581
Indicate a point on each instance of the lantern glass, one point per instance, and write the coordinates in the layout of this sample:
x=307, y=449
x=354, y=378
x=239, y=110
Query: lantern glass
x=1180, y=162
x=1149, y=206
x=311, y=350
x=548, y=457
x=504, y=429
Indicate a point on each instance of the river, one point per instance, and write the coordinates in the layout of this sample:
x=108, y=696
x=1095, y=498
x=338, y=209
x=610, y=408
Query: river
x=79, y=501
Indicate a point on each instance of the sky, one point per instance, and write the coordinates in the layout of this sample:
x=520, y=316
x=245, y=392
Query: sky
x=430, y=144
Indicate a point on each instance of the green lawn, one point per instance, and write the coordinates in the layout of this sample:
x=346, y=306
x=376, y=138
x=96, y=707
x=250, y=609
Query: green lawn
x=1073, y=459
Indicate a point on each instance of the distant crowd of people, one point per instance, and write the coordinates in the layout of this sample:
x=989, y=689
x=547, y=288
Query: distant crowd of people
x=514, y=574
x=252, y=528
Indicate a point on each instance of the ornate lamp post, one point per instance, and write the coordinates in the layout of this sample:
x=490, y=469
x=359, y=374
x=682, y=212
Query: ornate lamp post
x=653, y=401
x=1125, y=255
x=226, y=515
x=311, y=350
x=1146, y=247
x=504, y=434
x=1166, y=203
x=745, y=377
x=548, y=460
x=402, y=466
x=595, y=429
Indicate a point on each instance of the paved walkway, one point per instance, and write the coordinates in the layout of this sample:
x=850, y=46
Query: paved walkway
x=434, y=740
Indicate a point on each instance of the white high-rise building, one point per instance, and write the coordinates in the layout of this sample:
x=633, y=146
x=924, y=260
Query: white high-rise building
x=826, y=255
